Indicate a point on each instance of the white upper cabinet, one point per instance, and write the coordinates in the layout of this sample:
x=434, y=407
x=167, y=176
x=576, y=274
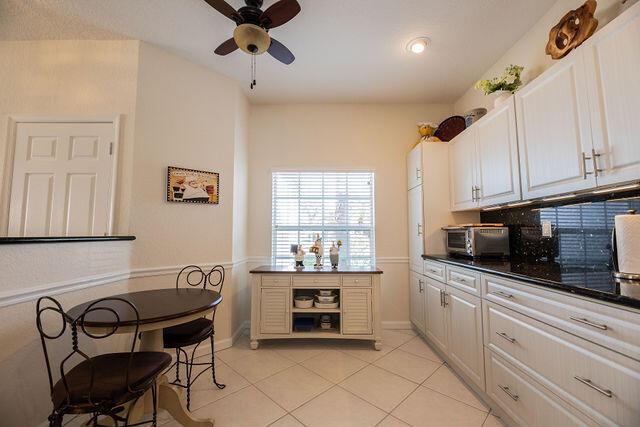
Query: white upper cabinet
x=554, y=134
x=462, y=158
x=414, y=167
x=498, y=175
x=612, y=59
x=416, y=229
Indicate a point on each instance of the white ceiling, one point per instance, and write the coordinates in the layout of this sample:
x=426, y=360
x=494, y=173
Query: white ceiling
x=346, y=50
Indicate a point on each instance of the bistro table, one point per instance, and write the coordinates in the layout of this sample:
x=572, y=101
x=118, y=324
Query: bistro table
x=158, y=309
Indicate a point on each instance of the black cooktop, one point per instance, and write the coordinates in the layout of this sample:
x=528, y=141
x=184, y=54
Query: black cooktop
x=591, y=280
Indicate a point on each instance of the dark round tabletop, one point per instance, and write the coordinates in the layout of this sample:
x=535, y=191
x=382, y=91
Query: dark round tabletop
x=157, y=305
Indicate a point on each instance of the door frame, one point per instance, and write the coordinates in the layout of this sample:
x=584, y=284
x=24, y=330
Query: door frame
x=7, y=176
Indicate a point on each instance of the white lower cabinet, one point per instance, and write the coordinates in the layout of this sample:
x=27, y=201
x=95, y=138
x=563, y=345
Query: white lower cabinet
x=524, y=400
x=601, y=383
x=436, y=317
x=275, y=311
x=417, y=301
x=464, y=330
x=544, y=357
x=356, y=311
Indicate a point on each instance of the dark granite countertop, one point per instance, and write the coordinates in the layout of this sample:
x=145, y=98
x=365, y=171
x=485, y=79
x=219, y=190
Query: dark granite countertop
x=588, y=280
x=269, y=269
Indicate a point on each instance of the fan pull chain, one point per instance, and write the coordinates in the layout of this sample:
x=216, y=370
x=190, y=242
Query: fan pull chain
x=253, y=72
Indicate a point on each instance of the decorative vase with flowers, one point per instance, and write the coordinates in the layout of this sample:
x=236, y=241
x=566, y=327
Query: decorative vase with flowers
x=504, y=85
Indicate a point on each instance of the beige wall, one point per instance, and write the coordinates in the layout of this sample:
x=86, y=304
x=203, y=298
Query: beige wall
x=375, y=137
x=69, y=78
x=529, y=50
x=174, y=113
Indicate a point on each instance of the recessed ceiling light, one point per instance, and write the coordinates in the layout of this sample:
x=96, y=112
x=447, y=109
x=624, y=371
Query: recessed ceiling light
x=418, y=45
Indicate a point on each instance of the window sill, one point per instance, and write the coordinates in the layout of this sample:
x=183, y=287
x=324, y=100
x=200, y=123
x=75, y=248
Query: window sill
x=62, y=239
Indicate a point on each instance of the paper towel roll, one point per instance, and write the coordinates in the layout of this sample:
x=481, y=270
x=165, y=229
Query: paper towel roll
x=628, y=243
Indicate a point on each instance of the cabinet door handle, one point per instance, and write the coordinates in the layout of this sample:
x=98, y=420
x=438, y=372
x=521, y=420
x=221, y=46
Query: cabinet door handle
x=584, y=165
x=473, y=193
x=506, y=337
x=594, y=159
x=503, y=294
x=418, y=175
x=444, y=299
x=419, y=229
x=589, y=323
x=441, y=299
x=420, y=288
x=599, y=389
x=509, y=392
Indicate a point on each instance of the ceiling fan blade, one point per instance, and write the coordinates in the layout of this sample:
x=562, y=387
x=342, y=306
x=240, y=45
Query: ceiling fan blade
x=280, y=52
x=226, y=47
x=225, y=8
x=279, y=13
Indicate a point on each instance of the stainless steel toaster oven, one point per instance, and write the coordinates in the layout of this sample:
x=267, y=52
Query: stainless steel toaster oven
x=478, y=240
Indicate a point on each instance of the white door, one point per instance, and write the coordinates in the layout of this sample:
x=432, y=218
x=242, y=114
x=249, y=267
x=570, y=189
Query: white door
x=462, y=157
x=497, y=148
x=554, y=134
x=436, y=319
x=357, y=315
x=275, y=311
x=414, y=167
x=612, y=60
x=417, y=302
x=416, y=229
x=62, y=179
x=464, y=328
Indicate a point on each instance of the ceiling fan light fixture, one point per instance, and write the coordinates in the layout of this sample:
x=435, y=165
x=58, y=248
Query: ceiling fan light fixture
x=252, y=39
x=418, y=45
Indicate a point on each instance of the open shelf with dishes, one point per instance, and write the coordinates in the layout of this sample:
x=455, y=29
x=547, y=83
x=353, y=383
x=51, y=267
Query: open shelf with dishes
x=315, y=300
x=315, y=310
x=305, y=323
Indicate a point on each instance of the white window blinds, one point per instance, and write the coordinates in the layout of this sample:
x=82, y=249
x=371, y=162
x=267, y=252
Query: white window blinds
x=335, y=205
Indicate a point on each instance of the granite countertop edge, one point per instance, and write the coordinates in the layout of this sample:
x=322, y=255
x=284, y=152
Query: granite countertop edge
x=620, y=300
x=270, y=269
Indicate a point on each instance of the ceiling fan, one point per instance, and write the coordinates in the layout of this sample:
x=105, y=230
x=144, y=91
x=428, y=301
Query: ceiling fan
x=252, y=27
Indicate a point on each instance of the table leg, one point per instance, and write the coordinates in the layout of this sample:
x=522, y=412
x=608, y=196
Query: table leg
x=168, y=395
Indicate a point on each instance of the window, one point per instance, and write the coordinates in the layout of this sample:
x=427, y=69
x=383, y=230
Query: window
x=335, y=205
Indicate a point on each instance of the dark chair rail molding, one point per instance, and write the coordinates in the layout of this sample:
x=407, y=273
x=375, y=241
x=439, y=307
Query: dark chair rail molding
x=62, y=239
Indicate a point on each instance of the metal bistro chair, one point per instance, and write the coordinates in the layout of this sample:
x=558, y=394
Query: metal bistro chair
x=195, y=331
x=103, y=384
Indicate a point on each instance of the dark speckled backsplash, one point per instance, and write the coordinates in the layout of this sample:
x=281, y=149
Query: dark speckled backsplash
x=581, y=231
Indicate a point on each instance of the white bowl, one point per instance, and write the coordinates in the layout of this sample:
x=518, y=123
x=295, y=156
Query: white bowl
x=303, y=302
x=331, y=298
x=326, y=325
x=326, y=304
x=325, y=292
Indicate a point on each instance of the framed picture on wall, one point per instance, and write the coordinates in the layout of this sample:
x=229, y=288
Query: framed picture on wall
x=192, y=186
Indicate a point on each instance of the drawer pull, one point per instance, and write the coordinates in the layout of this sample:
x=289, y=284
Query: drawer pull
x=589, y=323
x=506, y=337
x=503, y=294
x=589, y=383
x=509, y=392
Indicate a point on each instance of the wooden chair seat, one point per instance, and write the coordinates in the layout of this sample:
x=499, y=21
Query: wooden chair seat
x=109, y=379
x=187, y=334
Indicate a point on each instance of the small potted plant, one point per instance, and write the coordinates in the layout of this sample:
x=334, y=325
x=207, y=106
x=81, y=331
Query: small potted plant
x=504, y=85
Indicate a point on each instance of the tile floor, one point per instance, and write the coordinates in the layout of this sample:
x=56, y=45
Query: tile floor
x=336, y=383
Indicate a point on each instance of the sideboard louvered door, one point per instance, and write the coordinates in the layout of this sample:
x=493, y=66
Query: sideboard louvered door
x=357, y=315
x=275, y=311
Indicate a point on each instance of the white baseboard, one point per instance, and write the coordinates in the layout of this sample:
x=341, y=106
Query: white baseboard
x=396, y=324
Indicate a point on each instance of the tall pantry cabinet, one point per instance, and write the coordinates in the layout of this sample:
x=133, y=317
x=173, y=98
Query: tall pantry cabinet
x=429, y=210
